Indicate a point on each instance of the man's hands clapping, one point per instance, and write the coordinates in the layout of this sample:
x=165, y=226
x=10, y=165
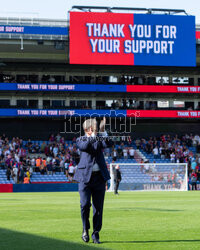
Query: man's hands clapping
x=102, y=125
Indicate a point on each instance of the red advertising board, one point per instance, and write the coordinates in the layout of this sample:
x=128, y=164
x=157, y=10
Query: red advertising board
x=6, y=188
x=163, y=89
x=163, y=113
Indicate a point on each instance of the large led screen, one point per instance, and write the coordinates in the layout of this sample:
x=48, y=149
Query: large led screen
x=132, y=39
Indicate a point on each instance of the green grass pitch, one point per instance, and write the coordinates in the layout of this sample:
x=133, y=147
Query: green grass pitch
x=132, y=220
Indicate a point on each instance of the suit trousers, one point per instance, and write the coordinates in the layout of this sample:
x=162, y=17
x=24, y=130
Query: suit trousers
x=95, y=190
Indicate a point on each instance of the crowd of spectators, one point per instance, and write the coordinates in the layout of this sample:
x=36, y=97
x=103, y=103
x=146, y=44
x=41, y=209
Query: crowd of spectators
x=58, y=156
x=13, y=158
x=21, y=159
x=176, y=149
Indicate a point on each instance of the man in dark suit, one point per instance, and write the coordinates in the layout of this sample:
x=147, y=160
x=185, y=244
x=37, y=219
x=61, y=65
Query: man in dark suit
x=92, y=174
x=117, y=179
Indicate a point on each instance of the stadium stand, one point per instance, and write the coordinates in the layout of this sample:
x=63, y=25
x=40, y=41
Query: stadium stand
x=55, y=160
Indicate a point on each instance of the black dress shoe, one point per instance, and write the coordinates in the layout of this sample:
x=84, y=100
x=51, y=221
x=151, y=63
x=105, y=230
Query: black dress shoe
x=96, y=241
x=85, y=236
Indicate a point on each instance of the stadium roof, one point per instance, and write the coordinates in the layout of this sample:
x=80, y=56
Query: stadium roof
x=146, y=10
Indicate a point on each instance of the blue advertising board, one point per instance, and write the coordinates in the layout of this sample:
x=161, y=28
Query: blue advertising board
x=61, y=87
x=34, y=30
x=61, y=112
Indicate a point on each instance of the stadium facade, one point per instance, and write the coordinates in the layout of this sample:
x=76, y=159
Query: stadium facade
x=39, y=87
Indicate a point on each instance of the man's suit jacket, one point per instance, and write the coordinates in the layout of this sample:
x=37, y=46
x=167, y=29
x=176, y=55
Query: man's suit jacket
x=91, y=149
x=117, y=175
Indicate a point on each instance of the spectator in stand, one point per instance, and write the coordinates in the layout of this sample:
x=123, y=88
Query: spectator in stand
x=125, y=153
x=148, y=146
x=131, y=153
x=137, y=143
x=21, y=175
x=57, y=164
x=106, y=152
x=49, y=168
x=33, y=163
x=27, y=162
x=62, y=140
x=196, y=140
x=119, y=151
x=35, y=148
x=71, y=171
x=114, y=155
x=55, y=150
x=129, y=140
x=53, y=166
x=193, y=164
x=42, y=168
x=26, y=180
x=2, y=165
x=62, y=162
x=30, y=170
x=66, y=164
x=44, y=162
x=51, y=138
x=28, y=173
x=146, y=167
x=29, y=146
x=58, y=138
x=42, y=147
x=142, y=166
x=8, y=173
x=38, y=164
x=172, y=157
x=8, y=161
x=198, y=172
x=156, y=153
x=15, y=173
